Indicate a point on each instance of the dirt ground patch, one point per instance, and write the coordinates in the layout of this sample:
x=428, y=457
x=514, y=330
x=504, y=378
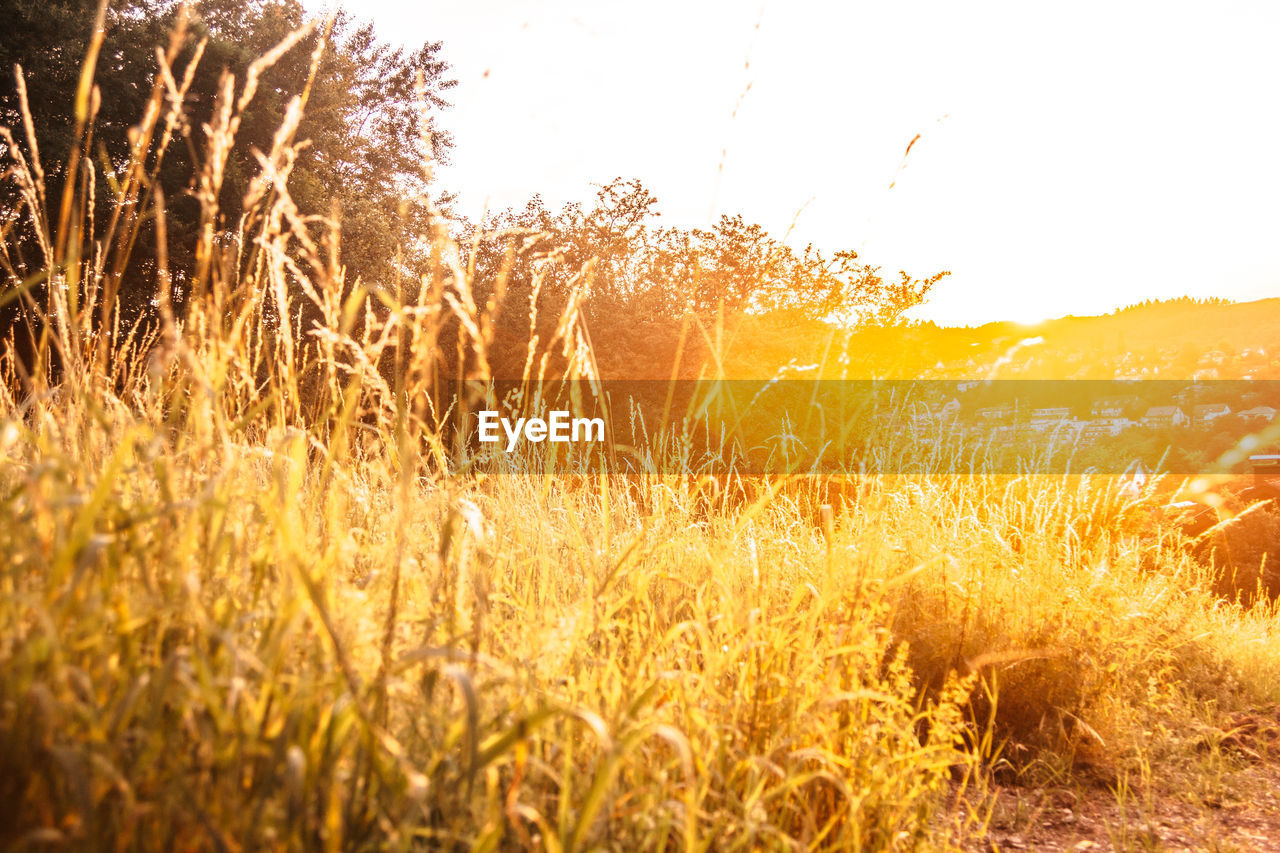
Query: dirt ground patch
x=1245, y=818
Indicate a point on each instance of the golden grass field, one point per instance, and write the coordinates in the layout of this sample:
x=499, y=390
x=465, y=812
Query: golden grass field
x=244, y=606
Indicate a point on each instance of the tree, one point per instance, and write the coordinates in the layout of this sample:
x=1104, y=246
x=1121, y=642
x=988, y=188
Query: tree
x=646, y=283
x=363, y=122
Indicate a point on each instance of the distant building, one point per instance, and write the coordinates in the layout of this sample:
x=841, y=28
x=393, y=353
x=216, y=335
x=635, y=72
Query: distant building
x=1112, y=407
x=995, y=414
x=1050, y=418
x=1049, y=415
x=1262, y=414
x=1094, y=432
x=1266, y=474
x=1106, y=428
x=1207, y=412
x=1165, y=416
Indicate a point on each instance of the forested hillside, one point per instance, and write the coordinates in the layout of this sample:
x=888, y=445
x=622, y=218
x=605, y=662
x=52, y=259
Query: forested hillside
x=1175, y=339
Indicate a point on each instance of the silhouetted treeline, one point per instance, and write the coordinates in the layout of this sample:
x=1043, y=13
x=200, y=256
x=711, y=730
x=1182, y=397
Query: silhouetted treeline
x=598, y=288
x=364, y=123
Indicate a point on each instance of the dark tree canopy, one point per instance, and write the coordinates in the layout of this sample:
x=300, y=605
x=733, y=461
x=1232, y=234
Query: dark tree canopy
x=362, y=117
x=644, y=297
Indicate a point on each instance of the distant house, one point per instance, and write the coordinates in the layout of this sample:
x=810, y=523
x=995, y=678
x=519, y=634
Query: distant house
x=1050, y=414
x=1053, y=418
x=1165, y=416
x=1266, y=464
x=1262, y=414
x=1112, y=407
x=995, y=414
x=1207, y=412
x=1095, y=432
x=1099, y=428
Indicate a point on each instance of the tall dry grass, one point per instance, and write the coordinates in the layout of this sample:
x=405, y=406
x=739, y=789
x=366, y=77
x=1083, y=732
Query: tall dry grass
x=247, y=604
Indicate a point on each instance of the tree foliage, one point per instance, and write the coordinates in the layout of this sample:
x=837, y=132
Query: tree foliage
x=648, y=282
x=650, y=296
x=363, y=119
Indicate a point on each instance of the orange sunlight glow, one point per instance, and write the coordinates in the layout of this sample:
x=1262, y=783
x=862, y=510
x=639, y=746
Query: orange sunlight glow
x=1068, y=160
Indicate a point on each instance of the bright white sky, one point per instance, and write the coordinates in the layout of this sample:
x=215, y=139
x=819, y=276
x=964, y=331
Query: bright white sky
x=1072, y=159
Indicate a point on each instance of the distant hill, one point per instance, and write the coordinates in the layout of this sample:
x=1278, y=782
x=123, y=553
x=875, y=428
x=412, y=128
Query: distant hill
x=1176, y=339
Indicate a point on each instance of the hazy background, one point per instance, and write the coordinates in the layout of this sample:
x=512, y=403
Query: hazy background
x=1071, y=160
